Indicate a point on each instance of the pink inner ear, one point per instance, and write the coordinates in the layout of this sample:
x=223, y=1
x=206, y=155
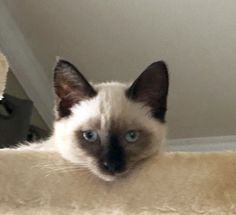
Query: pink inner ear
x=65, y=90
x=67, y=101
x=62, y=90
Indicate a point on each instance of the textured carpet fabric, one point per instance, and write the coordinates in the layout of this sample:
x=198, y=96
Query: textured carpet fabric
x=3, y=73
x=34, y=182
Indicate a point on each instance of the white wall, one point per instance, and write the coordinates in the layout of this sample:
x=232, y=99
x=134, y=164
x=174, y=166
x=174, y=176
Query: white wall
x=118, y=39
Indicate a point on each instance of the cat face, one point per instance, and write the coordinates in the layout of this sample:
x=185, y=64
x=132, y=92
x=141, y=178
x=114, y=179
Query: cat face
x=109, y=127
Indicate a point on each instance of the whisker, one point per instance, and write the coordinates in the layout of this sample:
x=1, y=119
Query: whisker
x=61, y=167
x=55, y=166
x=66, y=171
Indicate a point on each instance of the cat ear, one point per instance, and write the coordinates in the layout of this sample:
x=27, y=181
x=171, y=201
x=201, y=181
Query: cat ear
x=70, y=86
x=151, y=87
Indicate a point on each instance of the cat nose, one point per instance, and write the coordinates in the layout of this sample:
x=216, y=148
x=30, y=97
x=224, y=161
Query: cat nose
x=113, y=159
x=105, y=164
x=113, y=167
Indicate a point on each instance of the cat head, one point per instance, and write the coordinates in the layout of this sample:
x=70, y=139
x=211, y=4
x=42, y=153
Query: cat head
x=109, y=127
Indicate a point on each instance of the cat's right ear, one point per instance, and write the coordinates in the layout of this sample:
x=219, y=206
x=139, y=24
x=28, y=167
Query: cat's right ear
x=70, y=86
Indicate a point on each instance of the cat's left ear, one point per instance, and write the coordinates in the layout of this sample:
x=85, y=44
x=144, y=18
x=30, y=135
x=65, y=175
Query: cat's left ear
x=70, y=86
x=151, y=88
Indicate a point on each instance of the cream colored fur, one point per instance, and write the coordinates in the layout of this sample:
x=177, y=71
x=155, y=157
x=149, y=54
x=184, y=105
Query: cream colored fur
x=34, y=182
x=3, y=73
x=111, y=103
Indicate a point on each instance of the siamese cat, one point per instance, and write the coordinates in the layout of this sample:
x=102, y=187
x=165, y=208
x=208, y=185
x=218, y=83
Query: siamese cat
x=108, y=127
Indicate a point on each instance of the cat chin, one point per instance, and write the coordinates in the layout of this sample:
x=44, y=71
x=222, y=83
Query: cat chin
x=105, y=177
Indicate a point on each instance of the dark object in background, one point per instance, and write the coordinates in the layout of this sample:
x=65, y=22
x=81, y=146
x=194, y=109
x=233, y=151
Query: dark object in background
x=36, y=134
x=15, y=117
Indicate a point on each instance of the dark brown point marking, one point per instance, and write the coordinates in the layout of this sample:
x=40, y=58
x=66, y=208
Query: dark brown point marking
x=70, y=86
x=151, y=88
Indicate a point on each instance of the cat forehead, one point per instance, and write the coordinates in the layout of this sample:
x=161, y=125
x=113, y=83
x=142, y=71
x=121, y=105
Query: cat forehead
x=110, y=89
x=111, y=97
x=110, y=104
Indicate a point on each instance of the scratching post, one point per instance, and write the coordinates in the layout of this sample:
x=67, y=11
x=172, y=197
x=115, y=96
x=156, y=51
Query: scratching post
x=34, y=182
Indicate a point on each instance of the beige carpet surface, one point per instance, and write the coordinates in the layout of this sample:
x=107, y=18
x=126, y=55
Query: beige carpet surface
x=3, y=73
x=172, y=183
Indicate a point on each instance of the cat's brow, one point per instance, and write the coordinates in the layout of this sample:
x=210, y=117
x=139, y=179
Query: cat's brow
x=93, y=123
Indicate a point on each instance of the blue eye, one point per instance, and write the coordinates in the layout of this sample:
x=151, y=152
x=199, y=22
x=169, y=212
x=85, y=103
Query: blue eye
x=132, y=136
x=90, y=136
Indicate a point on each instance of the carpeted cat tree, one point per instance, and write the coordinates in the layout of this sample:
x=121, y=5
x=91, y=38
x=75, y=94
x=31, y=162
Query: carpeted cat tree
x=37, y=182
